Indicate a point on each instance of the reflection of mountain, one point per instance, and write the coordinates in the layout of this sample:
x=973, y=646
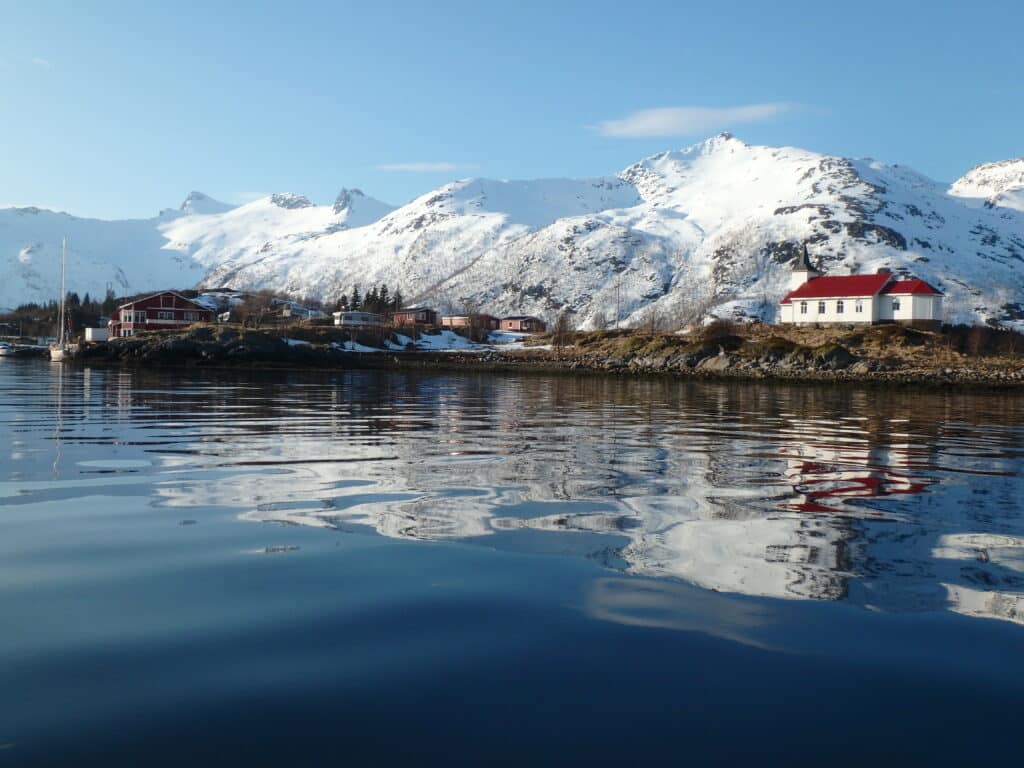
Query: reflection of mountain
x=799, y=493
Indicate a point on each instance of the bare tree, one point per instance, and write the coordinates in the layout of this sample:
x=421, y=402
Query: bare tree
x=253, y=310
x=563, y=329
x=475, y=326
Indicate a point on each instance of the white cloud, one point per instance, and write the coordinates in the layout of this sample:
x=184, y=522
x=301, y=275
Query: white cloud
x=42, y=63
x=687, y=121
x=424, y=167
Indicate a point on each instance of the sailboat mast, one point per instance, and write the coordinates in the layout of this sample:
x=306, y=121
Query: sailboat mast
x=63, y=293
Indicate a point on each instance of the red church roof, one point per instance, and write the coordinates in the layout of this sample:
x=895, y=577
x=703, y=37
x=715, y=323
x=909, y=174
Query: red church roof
x=841, y=287
x=912, y=286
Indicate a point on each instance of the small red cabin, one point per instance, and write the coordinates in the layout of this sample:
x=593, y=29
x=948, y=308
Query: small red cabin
x=523, y=324
x=159, y=312
x=415, y=316
x=485, y=322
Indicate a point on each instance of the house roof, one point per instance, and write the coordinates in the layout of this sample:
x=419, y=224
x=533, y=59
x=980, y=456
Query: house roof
x=912, y=286
x=161, y=293
x=520, y=317
x=839, y=287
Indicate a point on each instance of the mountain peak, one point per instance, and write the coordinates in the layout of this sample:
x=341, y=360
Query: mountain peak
x=345, y=198
x=200, y=203
x=990, y=179
x=290, y=201
x=720, y=141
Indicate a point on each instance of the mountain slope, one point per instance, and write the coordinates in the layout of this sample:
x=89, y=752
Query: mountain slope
x=712, y=227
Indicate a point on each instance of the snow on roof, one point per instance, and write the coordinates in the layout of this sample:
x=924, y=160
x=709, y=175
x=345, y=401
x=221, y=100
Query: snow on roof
x=841, y=287
x=912, y=286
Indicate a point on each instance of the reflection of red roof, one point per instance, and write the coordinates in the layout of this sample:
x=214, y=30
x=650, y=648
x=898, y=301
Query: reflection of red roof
x=846, y=286
x=912, y=286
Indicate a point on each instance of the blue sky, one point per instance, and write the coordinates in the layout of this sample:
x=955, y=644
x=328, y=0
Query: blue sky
x=119, y=109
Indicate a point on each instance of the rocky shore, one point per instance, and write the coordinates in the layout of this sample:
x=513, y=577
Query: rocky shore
x=897, y=357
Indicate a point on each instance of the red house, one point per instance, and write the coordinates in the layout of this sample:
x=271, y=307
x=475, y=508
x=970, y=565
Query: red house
x=415, y=316
x=523, y=324
x=486, y=322
x=159, y=312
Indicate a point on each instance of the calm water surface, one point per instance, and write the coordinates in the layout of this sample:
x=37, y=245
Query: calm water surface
x=295, y=568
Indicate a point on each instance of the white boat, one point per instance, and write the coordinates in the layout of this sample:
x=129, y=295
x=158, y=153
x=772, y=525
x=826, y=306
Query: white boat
x=63, y=349
x=7, y=350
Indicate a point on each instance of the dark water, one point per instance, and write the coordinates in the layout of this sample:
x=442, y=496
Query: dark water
x=292, y=568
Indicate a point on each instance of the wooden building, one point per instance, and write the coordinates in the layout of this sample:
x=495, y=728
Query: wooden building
x=481, y=321
x=815, y=298
x=414, y=316
x=160, y=312
x=523, y=324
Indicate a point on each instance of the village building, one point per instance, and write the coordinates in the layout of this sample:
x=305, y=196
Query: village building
x=414, y=316
x=356, y=319
x=160, y=312
x=481, y=321
x=289, y=311
x=523, y=324
x=883, y=297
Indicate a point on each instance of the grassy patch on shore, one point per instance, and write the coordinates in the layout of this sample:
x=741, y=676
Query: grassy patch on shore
x=952, y=346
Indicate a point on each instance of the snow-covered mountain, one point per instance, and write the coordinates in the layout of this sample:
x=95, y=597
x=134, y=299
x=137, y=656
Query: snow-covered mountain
x=712, y=227
x=999, y=184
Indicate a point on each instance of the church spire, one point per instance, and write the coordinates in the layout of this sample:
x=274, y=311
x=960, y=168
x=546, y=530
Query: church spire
x=802, y=269
x=803, y=262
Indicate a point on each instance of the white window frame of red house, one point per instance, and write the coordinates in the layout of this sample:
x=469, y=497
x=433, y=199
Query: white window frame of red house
x=165, y=314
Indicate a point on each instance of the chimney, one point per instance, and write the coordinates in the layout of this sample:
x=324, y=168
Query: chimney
x=884, y=271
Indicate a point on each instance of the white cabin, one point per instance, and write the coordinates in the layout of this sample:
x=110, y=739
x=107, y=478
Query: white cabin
x=358, y=319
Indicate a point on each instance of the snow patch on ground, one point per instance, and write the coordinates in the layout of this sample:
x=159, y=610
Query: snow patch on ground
x=354, y=346
x=444, y=341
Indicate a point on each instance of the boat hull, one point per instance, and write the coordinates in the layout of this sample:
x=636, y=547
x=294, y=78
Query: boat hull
x=60, y=353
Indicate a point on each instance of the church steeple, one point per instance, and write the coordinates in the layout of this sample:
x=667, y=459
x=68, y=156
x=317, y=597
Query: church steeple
x=802, y=270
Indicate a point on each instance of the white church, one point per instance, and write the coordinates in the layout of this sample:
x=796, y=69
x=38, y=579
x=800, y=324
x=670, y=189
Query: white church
x=879, y=298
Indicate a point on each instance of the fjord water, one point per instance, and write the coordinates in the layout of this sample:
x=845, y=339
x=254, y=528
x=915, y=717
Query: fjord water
x=300, y=568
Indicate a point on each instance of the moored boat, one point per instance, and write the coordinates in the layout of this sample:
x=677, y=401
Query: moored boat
x=63, y=349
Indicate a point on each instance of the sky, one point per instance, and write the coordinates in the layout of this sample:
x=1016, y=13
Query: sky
x=119, y=109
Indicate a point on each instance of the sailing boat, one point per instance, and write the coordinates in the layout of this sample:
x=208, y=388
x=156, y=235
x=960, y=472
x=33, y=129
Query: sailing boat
x=63, y=349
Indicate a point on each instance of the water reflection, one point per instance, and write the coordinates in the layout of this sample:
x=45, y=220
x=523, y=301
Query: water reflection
x=894, y=501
